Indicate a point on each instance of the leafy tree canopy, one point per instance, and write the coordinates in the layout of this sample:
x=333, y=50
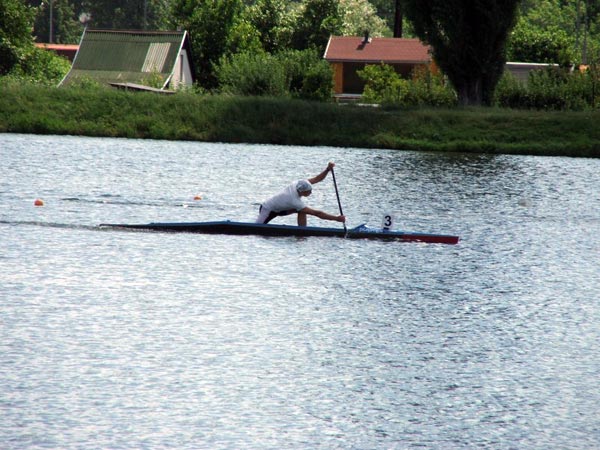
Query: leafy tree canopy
x=560, y=31
x=66, y=29
x=359, y=16
x=41, y=66
x=126, y=14
x=534, y=44
x=274, y=23
x=15, y=33
x=468, y=40
x=318, y=20
x=212, y=25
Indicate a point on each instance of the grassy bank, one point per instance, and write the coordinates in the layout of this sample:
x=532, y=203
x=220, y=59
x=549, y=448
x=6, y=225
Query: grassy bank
x=105, y=112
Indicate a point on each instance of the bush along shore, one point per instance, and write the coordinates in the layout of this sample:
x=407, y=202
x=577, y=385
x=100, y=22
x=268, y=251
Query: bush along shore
x=105, y=112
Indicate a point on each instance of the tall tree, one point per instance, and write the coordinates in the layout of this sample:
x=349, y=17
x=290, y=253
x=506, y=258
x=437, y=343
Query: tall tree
x=212, y=25
x=127, y=14
x=359, y=16
x=532, y=43
x=273, y=22
x=318, y=20
x=398, y=18
x=468, y=40
x=15, y=33
x=64, y=29
x=575, y=21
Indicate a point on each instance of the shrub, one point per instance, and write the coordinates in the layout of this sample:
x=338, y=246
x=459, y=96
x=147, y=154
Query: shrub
x=509, y=91
x=41, y=66
x=428, y=88
x=383, y=85
x=552, y=88
x=85, y=83
x=256, y=74
x=299, y=74
x=154, y=80
x=317, y=83
x=307, y=75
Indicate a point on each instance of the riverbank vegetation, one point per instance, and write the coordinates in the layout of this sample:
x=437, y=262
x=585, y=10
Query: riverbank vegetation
x=551, y=88
x=262, y=79
x=98, y=111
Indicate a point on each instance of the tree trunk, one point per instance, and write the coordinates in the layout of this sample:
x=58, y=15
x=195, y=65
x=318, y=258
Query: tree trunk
x=468, y=41
x=470, y=93
x=398, y=19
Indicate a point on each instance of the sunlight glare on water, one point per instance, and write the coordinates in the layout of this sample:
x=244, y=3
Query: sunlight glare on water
x=126, y=340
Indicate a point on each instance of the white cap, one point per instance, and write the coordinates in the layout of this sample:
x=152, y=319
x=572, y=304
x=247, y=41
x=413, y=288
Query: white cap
x=303, y=186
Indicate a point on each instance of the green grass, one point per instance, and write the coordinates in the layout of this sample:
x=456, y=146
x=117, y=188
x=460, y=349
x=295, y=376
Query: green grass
x=28, y=108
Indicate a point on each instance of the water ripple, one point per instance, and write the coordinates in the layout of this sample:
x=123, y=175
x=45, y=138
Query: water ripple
x=151, y=340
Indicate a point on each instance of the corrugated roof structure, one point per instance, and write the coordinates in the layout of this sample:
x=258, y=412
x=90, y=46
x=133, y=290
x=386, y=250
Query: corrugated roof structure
x=376, y=50
x=110, y=56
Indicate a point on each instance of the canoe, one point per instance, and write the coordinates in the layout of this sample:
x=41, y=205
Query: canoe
x=246, y=228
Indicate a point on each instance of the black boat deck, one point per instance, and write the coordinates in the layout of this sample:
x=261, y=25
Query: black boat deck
x=245, y=228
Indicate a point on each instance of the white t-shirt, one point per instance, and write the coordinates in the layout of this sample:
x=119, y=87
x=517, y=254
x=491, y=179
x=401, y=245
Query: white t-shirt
x=285, y=200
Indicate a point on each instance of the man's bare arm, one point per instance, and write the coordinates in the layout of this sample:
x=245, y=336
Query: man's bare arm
x=322, y=175
x=322, y=214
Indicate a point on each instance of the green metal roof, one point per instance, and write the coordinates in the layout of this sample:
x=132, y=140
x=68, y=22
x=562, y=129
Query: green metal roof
x=126, y=56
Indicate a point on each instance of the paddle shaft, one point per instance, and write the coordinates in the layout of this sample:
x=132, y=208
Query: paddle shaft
x=337, y=194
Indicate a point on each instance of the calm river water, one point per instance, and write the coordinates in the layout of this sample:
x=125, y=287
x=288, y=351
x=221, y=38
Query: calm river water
x=130, y=340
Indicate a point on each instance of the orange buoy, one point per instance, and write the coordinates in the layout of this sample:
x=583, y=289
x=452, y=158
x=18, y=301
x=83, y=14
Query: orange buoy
x=198, y=197
x=38, y=202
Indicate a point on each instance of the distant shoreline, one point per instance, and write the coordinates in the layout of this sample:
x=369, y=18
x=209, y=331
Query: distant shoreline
x=103, y=112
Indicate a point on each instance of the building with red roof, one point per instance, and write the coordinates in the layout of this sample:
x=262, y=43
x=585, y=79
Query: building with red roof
x=348, y=54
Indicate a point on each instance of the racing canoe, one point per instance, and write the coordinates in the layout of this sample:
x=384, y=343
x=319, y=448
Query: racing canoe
x=246, y=228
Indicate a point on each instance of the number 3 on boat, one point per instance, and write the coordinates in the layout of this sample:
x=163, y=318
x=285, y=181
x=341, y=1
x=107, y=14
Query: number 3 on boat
x=387, y=223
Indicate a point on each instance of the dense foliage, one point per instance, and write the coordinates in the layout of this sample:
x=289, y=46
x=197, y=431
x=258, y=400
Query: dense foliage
x=260, y=46
x=273, y=23
x=18, y=56
x=15, y=33
x=569, y=28
x=318, y=20
x=532, y=44
x=64, y=28
x=468, y=41
x=252, y=74
x=554, y=88
x=210, y=24
x=359, y=16
x=101, y=111
x=41, y=66
x=579, y=20
x=294, y=73
x=385, y=86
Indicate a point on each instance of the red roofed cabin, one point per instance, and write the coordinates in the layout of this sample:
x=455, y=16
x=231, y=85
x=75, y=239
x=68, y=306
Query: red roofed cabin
x=348, y=54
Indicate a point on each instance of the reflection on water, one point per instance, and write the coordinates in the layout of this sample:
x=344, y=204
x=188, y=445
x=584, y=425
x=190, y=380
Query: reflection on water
x=122, y=340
